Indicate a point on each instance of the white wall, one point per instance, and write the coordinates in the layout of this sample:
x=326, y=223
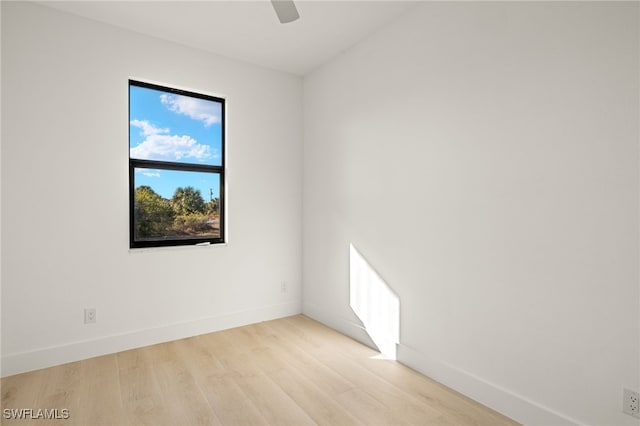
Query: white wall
x=483, y=158
x=65, y=194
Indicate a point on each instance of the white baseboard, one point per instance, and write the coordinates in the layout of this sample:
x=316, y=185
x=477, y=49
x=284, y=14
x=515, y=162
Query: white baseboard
x=47, y=357
x=499, y=399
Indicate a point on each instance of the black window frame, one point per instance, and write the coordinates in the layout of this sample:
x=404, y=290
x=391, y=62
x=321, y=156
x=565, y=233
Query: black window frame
x=178, y=166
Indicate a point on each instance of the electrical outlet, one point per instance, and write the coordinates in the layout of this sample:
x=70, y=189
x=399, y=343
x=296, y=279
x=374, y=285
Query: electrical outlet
x=90, y=315
x=283, y=286
x=631, y=402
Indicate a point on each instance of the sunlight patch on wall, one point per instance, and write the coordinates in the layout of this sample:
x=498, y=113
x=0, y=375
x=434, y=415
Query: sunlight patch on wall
x=377, y=306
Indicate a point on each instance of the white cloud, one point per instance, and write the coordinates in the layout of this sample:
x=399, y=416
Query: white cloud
x=148, y=128
x=148, y=172
x=159, y=145
x=199, y=109
x=171, y=148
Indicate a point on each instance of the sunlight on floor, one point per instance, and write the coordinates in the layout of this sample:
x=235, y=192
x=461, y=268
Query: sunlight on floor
x=377, y=306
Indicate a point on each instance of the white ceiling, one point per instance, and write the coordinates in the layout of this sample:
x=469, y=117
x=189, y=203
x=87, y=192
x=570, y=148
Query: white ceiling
x=249, y=30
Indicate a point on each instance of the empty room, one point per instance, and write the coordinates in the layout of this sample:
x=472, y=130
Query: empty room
x=320, y=212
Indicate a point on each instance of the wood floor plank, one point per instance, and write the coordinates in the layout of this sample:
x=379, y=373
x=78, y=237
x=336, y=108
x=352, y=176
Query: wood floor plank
x=323, y=409
x=229, y=403
x=235, y=359
x=272, y=402
x=404, y=406
x=458, y=408
x=461, y=409
x=367, y=409
x=245, y=338
x=290, y=371
x=199, y=359
x=100, y=402
x=304, y=363
x=182, y=398
x=141, y=398
x=23, y=391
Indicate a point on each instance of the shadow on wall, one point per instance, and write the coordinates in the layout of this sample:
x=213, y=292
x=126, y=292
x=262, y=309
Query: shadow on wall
x=375, y=304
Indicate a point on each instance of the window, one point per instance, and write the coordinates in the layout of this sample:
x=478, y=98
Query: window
x=176, y=167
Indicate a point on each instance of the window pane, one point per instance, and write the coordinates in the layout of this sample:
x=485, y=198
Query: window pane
x=175, y=205
x=165, y=126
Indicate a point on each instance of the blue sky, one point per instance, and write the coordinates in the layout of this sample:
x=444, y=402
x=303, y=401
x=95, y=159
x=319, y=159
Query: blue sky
x=168, y=127
x=165, y=182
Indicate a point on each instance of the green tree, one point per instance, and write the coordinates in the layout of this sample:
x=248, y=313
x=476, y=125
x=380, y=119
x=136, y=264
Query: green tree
x=153, y=214
x=187, y=200
x=212, y=207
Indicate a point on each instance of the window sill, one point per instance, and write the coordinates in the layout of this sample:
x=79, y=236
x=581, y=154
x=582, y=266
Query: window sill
x=172, y=248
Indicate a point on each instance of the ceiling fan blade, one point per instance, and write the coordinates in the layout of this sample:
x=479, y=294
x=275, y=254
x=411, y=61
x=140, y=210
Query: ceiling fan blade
x=286, y=10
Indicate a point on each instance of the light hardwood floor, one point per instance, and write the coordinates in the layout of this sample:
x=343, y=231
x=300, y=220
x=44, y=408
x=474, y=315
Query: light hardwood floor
x=290, y=371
